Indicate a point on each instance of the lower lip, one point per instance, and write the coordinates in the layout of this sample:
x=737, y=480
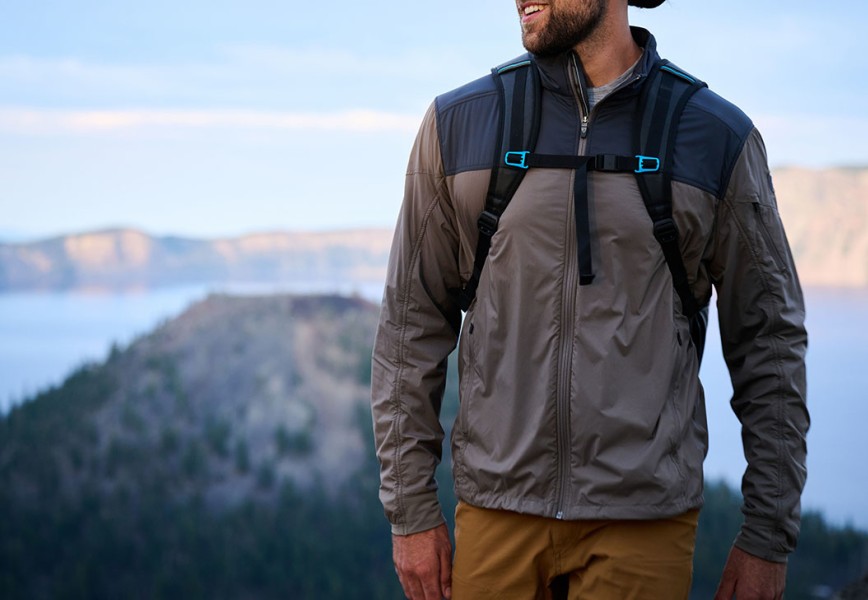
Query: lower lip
x=532, y=16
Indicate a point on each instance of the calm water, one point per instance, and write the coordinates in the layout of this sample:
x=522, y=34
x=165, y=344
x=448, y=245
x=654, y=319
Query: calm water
x=44, y=336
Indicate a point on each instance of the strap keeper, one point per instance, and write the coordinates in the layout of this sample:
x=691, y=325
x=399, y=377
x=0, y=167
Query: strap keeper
x=487, y=223
x=665, y=231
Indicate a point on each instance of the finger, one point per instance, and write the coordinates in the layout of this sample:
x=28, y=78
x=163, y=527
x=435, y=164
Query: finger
x=404, y=586
x=726, y=589
x=446, y=573
x=431, y=586
x=416, y=589
x=410, y=584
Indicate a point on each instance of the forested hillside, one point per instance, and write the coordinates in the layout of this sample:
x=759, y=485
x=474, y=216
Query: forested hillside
x=228, y=454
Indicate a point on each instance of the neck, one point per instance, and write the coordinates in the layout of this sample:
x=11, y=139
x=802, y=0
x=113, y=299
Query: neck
x=611, y=49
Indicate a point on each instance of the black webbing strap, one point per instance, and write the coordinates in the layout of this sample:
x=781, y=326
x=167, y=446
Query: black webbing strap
x=664, y=96
x=582, y=212
x=611, y=163
x=518, y=87
x=581, y=165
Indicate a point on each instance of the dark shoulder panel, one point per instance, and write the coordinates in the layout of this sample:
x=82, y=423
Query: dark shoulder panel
x=467, y=125
x=710, y=138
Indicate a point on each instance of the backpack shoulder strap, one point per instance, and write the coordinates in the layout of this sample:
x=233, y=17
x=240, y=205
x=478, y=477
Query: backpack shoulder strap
x=664, y=96
x=518, y=87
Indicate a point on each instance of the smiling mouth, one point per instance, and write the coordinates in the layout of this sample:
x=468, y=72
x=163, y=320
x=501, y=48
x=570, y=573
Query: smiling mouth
x=529, y=11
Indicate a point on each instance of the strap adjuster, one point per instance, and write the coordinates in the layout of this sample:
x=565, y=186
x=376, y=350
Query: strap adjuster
x=520, y=161
x=606, y=162
x=653, y=167
x=487, y=223
x=665, y=231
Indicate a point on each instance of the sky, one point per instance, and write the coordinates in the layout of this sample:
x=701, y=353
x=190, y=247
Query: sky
x=219, y=118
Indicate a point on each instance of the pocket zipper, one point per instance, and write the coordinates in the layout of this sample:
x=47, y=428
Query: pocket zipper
x=776, y=255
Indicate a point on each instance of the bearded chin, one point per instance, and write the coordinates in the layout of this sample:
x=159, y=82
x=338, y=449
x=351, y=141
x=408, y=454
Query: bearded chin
x=564, y=32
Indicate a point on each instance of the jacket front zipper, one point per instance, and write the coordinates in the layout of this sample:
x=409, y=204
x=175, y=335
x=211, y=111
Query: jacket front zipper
x=569, y=302
x=565, y=362
x=580, y=94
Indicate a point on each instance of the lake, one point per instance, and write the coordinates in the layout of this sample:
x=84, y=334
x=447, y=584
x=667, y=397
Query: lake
x=44, y=336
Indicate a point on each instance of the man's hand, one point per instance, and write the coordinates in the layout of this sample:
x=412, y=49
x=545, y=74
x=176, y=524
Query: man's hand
x=747, y=577
x=423, y=562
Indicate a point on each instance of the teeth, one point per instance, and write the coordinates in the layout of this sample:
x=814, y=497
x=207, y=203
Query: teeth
x=528, y=10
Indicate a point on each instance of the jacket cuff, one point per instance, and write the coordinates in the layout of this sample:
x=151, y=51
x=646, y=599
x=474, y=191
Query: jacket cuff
x=420, y=513
x=763, y=539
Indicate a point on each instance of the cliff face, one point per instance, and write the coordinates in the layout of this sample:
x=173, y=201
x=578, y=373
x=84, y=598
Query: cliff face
x=129, y=259
x=825, y=213
x=826, y=217
x=229, y=401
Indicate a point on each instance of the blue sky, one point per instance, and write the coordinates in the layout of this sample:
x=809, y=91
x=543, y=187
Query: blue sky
x=220, y=118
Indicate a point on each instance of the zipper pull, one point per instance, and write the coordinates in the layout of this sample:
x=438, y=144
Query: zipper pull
x=584, y=126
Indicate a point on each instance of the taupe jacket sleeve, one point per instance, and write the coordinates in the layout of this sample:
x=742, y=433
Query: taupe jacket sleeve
x=418, y=329
x=764, y=340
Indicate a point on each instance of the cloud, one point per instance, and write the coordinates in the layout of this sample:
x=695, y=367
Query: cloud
x=791, y=138
x=33, y=121
x=241, y=76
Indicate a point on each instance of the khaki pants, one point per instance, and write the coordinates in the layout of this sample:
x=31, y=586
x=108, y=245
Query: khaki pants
x=506, y=555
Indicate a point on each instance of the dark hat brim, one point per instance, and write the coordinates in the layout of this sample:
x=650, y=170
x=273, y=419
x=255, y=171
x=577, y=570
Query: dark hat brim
x=645, y=3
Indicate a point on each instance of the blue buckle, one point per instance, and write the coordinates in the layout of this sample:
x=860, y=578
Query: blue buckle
x=643, y=169
x=521, y=163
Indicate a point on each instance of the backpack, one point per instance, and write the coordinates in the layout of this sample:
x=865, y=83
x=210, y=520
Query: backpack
x=663, y=97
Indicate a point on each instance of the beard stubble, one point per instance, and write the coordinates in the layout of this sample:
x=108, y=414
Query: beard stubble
x=565, y=27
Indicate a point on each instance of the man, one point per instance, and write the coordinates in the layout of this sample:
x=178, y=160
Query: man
x=578, y=448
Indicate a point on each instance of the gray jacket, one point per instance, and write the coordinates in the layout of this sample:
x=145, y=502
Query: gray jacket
x=584, y=402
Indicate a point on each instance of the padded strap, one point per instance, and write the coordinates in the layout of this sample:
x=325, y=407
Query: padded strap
x=664, y=97
x=518, y=87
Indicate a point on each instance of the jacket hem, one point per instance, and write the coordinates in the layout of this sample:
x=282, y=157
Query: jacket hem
x=579, y=511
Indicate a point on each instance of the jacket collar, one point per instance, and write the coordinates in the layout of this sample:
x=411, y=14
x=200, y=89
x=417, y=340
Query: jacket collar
x=555, y=70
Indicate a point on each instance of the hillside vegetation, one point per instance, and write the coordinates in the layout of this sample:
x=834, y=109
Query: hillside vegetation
x=228, y=454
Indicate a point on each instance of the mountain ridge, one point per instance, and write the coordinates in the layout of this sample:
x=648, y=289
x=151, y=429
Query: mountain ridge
x=236, y=395
x=126, y=258
x=825, y=213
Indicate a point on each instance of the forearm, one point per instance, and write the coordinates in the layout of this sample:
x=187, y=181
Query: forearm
x=418, y=328
x=409, y=439
x=769, y=399
x=762, y=313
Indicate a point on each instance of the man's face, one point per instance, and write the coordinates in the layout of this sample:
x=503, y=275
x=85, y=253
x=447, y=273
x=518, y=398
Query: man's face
x=550, y=27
